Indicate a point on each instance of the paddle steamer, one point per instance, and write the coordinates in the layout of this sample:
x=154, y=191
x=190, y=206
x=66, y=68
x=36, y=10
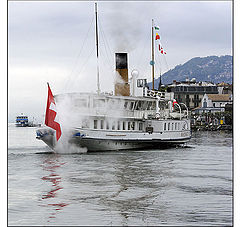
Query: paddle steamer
x=123, y=120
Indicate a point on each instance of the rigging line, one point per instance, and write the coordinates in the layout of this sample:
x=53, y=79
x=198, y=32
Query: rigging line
x=107, y=56
x=163, y=56
x=104, y=60
x=110, y=65
x=160, y=65
x=87, y=59
x=104, y=38
x=110, y=49
x=79, y=53
x=166, y=62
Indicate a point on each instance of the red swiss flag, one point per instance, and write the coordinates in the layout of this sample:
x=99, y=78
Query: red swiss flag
x=51, y=114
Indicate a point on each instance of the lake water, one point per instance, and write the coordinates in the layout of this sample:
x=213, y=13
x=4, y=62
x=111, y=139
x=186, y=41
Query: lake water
x=177, y=186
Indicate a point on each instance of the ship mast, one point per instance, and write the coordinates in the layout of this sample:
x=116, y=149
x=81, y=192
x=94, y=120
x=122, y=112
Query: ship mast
x=152, y=55
x=98, y=82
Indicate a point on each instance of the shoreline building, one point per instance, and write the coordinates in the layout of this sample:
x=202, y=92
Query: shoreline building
x=224, y=88
x=212, y=103
x=213, y=109
x=191, y=92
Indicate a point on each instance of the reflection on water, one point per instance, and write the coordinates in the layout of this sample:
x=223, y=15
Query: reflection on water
x=141, y=183
x=51, y=164
x=177, y=187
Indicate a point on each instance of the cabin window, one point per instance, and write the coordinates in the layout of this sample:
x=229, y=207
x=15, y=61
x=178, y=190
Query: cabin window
x=169, y=126
x=125, y=105
x=145, y=104
x=129, y=125
x=140, y=126
x=113, y=125
x=118, y=125
x=102, y=124
x=131, y=105
x=172, y=126
x=165, y=126
x=175, y=125
x=133, y=125
x=95, y=124
x=154, y=106
x=107, y=125
x=149, y=106
x=123, y=125
x=139, y=105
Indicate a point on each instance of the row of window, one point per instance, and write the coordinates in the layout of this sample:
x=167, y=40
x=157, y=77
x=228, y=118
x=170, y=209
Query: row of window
x=23, y=117
x=117, y=125
x=127, y=125
x=195, y=88
x=171, y=126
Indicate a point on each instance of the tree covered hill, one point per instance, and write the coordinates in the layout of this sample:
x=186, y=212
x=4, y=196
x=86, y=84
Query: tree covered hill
x=211, y=68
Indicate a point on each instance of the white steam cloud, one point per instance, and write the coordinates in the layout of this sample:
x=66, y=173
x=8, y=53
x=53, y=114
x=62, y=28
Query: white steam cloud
x=68, y=119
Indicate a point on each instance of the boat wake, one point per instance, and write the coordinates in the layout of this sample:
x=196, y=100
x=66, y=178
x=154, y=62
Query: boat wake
x=64, y=147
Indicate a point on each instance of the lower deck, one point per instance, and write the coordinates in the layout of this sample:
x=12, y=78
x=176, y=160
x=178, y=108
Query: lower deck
x=154, y=133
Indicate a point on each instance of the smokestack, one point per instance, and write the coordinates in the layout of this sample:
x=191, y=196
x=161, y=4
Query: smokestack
x=122, y=87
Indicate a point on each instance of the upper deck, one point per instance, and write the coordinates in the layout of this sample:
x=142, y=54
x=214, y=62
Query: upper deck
x=92, y=104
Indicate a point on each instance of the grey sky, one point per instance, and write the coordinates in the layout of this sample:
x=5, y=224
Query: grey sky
x=45, y=39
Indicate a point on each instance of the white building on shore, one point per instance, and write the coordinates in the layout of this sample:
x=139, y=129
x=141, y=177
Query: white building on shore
x=212, y=103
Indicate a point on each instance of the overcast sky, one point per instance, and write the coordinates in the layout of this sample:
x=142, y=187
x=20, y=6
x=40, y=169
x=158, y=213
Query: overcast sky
x=55, y=42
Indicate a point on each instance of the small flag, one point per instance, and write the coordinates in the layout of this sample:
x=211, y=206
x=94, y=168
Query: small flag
x=174, y=102
x=162, y=51
x=165, y=53
x=156, y=27
x=157, y=36
x=50, y=117
x=159, y=47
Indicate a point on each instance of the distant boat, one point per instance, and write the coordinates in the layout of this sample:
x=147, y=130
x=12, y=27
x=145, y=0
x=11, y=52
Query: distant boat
x=22, y=121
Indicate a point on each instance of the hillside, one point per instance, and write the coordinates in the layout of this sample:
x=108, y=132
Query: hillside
x=211, y=68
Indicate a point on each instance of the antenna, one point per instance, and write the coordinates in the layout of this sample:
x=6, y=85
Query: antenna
x=152, y=55
x=98, y=82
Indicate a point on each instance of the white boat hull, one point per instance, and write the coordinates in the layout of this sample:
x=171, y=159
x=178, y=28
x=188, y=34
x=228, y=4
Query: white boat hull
x=108, y=145
x=106, y=141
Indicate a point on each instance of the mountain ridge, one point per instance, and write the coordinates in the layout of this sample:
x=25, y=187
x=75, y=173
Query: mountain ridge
x=216, y=69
